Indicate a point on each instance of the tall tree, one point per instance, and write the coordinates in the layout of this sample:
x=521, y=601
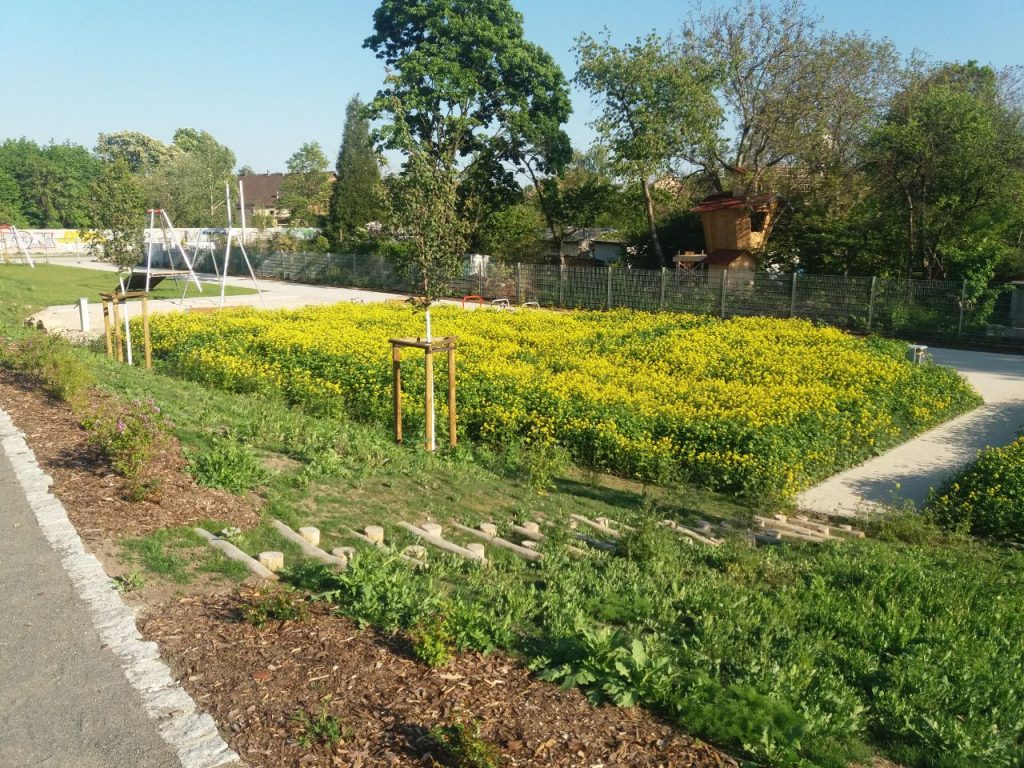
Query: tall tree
x=355, y=198
x=658, y=105
x=793, y=94
x=949, y=163
x=190, y=185
x=142, y=153
x=117, y=202
x=464, y=85
x=307, y=186
x=53, y=181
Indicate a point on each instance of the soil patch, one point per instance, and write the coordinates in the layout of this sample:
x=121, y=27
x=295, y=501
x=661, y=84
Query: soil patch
x=254, y=681
x=90, y=491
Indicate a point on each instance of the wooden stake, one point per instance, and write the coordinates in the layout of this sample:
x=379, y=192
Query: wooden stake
x=453, y=435
x=145, y=332
x=106, y=327
x=396, y=367
x=428, y=400
x=117, y=330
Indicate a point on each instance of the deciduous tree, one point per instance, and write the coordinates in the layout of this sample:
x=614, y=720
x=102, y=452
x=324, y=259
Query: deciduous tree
x=307, y=186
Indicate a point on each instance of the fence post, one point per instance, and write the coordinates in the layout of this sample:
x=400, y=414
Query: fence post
x=561, y=285
x=354, y=269
x=792, y=298
x=519, y=283
x=380, y=263
x=963, y=302
x=608, y=304
x=725, y=277
x=661, y=301
x=871, y=303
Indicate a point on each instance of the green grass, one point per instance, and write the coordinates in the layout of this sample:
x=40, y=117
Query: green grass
x=24, y=290
x=180, y=555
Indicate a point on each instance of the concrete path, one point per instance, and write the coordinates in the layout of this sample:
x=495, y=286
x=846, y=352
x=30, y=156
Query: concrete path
x=276, y=295
x=78, y=686
x=909, y=471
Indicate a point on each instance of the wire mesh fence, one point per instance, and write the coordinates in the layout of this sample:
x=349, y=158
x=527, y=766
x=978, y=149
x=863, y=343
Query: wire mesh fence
x=890, y=306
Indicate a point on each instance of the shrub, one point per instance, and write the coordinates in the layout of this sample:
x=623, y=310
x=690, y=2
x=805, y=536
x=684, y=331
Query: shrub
x=320, y=728
x=463, y=747
x=230, y=465
x=51, y=361
x=432, y=640
x=986, y=499
x=275, y=605
x=130, y=436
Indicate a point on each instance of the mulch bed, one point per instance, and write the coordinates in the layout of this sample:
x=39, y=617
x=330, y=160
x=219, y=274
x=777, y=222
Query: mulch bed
x=90, y=491
x=253, y=681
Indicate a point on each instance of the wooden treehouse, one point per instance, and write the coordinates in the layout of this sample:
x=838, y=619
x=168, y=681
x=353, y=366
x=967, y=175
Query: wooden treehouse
x=734, y=227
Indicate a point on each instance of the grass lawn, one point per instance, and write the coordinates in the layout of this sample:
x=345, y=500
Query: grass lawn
x=24, y=290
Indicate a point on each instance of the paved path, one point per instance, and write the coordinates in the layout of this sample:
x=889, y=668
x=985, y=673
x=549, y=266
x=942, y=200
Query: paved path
x=69, y=647
x=907, y=472
x=276, y=295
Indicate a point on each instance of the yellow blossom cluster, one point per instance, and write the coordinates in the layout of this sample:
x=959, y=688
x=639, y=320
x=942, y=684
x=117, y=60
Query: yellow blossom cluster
x=749, y=405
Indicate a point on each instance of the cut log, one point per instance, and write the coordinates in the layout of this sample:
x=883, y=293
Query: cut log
x=232, y=552
x=523, y=552
x=440, y=543
x=308, y=549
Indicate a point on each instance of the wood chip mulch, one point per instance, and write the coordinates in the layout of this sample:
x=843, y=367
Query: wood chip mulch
x=254, y=681
x=90, y=491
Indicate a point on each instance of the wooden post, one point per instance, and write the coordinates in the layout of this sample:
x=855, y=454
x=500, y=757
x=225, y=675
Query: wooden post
x=396, y=367
x=145, y=332
x=453, y=436
x=117, y=329
x=428, y=399
x=106, y=327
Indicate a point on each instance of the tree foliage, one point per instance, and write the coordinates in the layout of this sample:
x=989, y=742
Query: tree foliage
x=657, y=105
x=142, y=153
x=190, y=183
x=52, y=183
x=306, y=188
x=465, y=86
x=117, y=200
x=355, y=197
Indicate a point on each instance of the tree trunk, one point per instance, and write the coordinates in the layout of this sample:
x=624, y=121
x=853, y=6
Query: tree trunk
x=649, y=207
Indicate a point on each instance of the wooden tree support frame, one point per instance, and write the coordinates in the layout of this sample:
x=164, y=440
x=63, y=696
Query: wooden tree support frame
x=444, y=344
x=112, y=303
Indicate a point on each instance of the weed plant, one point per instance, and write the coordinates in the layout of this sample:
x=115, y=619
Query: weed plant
x=228, y=464
x=464, y=747
x=275, y=605
x=131, y=436
x=319, y=728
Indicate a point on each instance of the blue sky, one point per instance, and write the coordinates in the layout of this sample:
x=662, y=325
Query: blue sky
x=263, y=77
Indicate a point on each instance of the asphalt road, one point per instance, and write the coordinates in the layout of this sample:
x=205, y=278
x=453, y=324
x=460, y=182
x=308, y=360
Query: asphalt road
x=64, y=700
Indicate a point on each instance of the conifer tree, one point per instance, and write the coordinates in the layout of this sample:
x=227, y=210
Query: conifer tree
x=355, y=199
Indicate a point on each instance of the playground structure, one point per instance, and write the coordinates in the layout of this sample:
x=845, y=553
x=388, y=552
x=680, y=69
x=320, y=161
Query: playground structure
x=12, y=231
x=241, y=244
x=159, y=216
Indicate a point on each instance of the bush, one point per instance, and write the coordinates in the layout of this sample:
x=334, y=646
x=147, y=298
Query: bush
x=51, y=361
x=985, y=499
x=130, y=436
x=230, y=465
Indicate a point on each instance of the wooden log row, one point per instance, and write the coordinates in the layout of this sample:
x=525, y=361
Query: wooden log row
x=523, y=552
x=413, y=561
x=536, y=535
x=232, y=552
x=442, y=544
x=691, y=534
x=308, y=549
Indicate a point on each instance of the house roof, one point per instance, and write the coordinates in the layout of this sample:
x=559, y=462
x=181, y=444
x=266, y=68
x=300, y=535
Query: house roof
x=724, y=256
x=262, y=189
x=724, y=200
x=594, y=234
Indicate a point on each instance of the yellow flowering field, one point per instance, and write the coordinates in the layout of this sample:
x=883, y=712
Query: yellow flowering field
x=749, y=405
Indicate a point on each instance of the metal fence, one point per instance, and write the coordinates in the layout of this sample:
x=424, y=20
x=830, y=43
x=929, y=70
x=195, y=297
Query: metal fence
x=934, y=309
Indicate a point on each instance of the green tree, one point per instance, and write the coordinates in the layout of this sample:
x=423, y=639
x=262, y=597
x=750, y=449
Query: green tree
x=512, y=234
x=53, y=181
x=142, y=153
x=117, y=202
x=948, y=162
x=10, y=201
x=190, y=185
x=657, y=105
x=355, y=197
x=464, y=86
x=794, y=96
x=307, y=185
